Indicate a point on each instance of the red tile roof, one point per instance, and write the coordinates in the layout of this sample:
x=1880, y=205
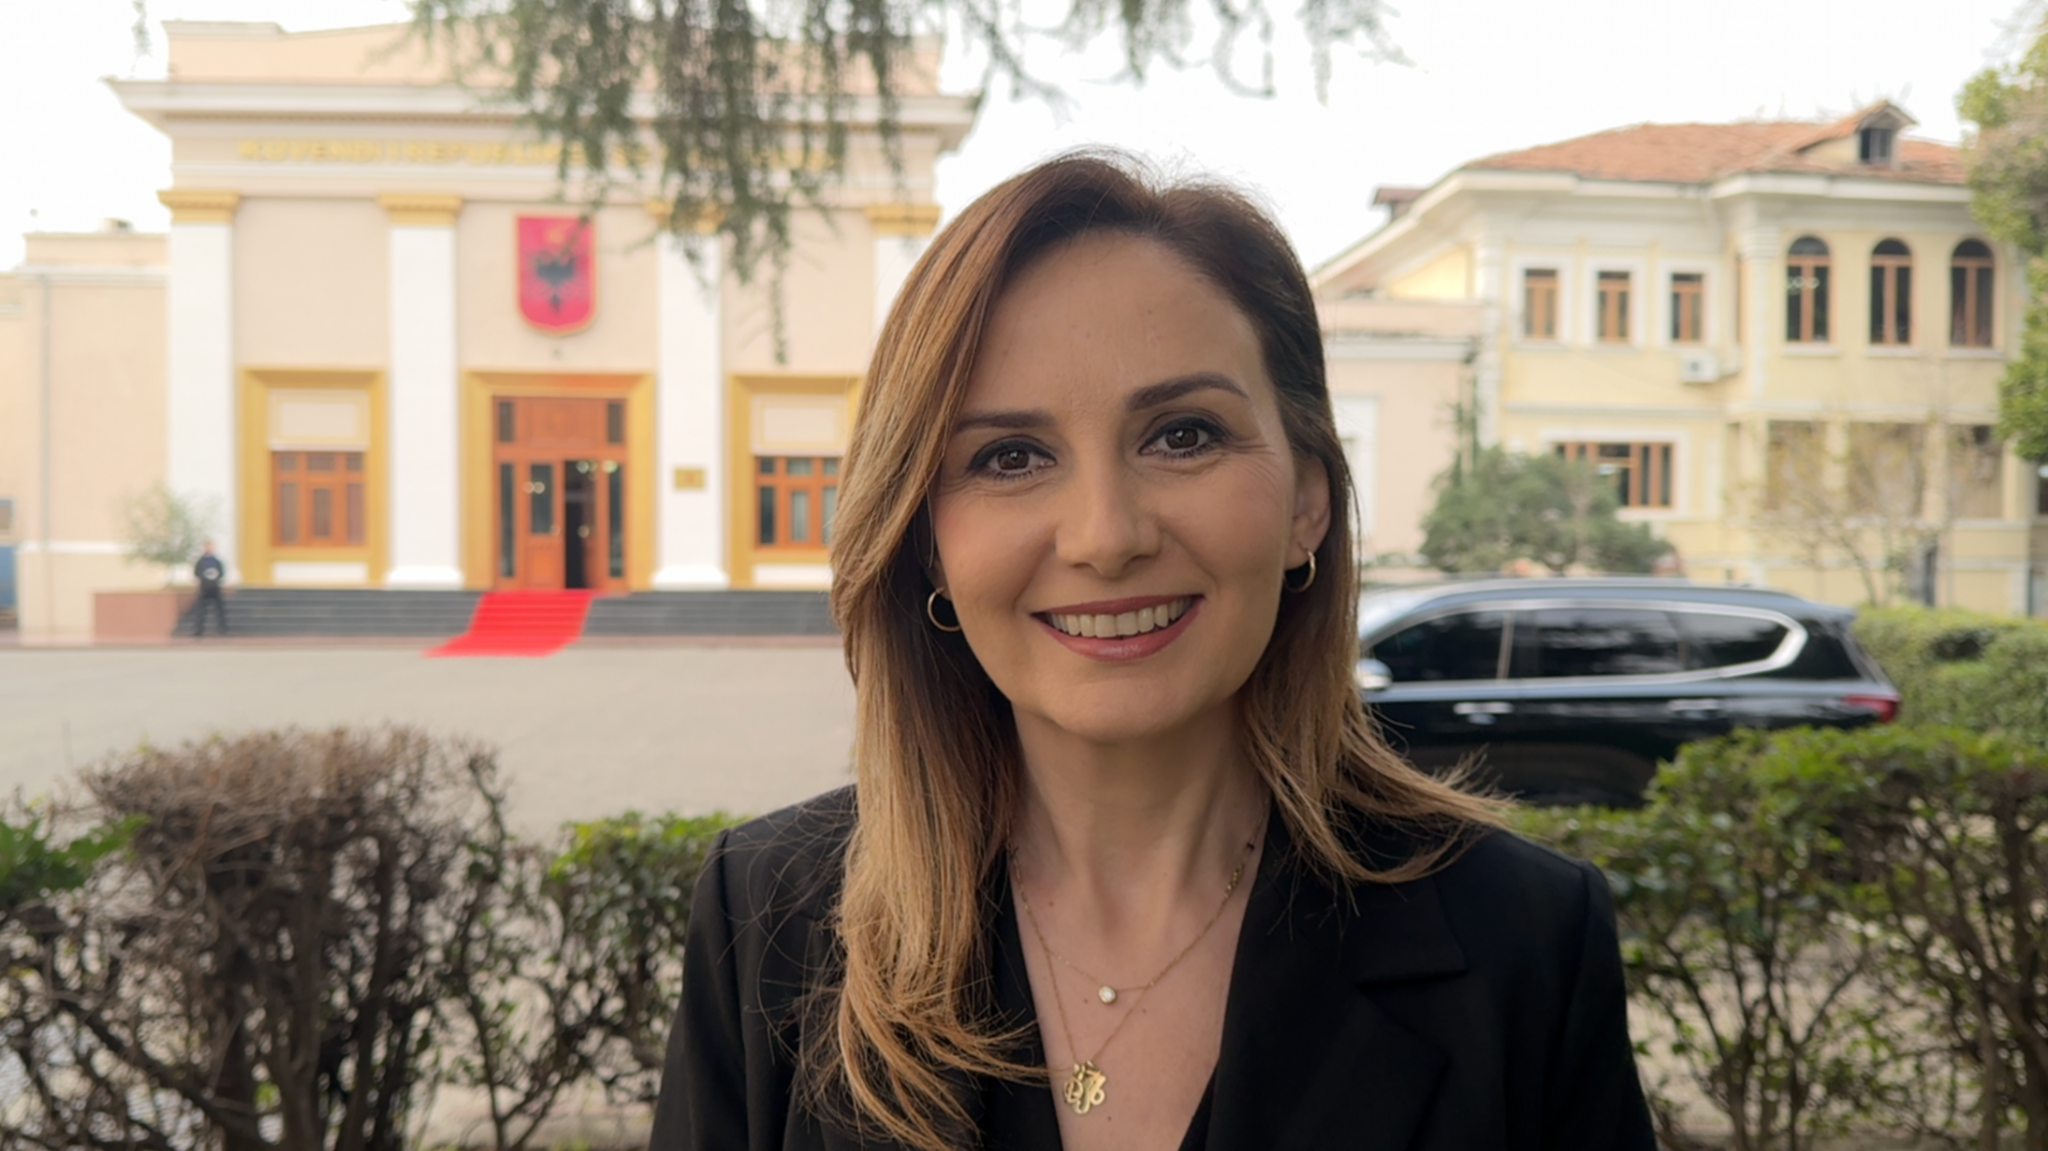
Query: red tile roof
x=1699, y=153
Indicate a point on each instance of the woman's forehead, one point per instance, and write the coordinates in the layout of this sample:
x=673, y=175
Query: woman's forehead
x=1106, y=314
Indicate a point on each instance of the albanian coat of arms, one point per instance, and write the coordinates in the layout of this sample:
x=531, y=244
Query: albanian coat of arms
x=557, y=273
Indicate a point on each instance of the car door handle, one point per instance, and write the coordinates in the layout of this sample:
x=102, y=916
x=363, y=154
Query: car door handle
x=1484, y=712
x=1694, y=706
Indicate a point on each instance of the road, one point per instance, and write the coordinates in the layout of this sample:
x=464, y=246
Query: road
x=590, y=731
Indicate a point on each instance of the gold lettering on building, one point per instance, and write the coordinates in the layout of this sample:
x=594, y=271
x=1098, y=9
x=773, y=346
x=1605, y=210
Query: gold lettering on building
x=481, y=153
x=478, y=153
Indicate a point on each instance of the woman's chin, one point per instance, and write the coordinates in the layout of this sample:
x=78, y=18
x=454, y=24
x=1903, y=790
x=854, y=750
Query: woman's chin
x=1122, y=719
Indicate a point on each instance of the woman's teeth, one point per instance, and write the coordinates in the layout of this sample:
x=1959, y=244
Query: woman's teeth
x=1127, y=624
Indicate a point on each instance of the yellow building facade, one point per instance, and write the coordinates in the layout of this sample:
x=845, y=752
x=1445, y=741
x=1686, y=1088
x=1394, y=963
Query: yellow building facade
x=1781, y=340
x=379, y=345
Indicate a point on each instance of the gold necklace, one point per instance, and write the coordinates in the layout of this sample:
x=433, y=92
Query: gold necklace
x=1086, y=1084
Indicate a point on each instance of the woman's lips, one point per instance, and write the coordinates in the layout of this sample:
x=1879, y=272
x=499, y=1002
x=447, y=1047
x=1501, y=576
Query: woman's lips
x=1116, y=648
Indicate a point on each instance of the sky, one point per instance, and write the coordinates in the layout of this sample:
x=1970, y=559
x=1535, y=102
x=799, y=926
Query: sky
x=1482, y=76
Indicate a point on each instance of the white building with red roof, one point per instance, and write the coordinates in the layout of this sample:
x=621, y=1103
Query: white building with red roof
x=1782, y=340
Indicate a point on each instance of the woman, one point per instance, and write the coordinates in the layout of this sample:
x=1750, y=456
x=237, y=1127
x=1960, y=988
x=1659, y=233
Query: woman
x=1126, y=865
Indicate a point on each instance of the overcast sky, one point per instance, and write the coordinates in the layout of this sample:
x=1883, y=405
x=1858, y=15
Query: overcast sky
x=1485, y=76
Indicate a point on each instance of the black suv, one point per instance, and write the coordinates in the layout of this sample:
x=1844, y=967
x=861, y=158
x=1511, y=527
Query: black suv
x=1572, y=690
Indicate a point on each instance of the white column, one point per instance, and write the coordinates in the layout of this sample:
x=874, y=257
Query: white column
x=689, y=408
x=200, y=380
x=901, y=234
x=424, y=439
x=1489, y=286
x=1765, y=307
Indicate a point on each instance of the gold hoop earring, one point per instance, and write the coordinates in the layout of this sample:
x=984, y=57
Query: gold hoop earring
x=1306, y=583
x=931, y=603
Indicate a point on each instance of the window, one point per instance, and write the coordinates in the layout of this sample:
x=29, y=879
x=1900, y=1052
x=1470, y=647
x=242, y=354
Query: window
x=1874, y=145
x=2041, y=489
x=1688, y=307
x=1555, y=643
x=795, y=497
x=1887, y=469
x=1969, y=295
x=6, y=518
x=1453, y=647
x=316, y=499
x=1714, y=639
x=1792, y=463
x=1539, y=304
x=1891, y=294
x=1641, y=473
x=1976, y=472
x=1613, y=310
x=1806, y=292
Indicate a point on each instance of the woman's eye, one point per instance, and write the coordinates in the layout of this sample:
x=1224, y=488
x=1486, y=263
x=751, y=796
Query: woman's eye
x=1012, y=460
x=1008, y=461
x=1185, y=439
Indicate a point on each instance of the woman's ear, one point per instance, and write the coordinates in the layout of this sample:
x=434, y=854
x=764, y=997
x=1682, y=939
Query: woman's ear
x=1311, y=509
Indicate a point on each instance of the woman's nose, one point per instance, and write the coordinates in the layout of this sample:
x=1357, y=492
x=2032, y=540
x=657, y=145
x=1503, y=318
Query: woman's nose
x=1106, y=523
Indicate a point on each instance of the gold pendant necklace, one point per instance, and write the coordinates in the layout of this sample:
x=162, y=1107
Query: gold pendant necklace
x=1084, y=1087
x=1087, y=1086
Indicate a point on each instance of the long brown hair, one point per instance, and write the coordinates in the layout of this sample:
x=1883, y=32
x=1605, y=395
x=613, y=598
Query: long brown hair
x=935, y=753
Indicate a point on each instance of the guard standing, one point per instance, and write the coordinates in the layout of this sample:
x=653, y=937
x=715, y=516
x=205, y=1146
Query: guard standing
x=209, y=571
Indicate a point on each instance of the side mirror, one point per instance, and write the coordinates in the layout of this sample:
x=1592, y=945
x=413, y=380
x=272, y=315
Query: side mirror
x=1372, y=675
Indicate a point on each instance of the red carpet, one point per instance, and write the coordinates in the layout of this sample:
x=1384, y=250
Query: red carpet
x=521, y=623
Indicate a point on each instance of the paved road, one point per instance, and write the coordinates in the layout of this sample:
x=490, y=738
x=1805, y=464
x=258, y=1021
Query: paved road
x=587, y=732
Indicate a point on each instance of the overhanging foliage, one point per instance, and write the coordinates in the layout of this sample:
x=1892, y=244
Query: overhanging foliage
x=2009, y=194
x=738, y=111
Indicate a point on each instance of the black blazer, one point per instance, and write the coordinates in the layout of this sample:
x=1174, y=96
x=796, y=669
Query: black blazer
x=1480, y=1008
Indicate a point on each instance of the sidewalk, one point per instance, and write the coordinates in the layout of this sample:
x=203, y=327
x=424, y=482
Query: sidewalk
x=597, y=729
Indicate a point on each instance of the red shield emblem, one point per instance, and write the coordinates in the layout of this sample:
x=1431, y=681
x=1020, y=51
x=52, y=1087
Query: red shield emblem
x=557, y=273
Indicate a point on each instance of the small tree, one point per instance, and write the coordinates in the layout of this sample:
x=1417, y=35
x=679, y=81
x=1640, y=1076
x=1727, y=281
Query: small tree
x=1501, y=507
x=1863, y=509
x=164, y=528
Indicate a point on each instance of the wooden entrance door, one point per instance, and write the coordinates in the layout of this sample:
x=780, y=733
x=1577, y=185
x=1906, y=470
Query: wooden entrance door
x=559, y=466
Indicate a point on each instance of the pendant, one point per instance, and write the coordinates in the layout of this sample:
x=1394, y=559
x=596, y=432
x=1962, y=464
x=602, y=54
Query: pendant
x=1084, y=1087
x=1106, y=993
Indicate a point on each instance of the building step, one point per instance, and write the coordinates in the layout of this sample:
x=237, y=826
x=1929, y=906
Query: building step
x=376, y=612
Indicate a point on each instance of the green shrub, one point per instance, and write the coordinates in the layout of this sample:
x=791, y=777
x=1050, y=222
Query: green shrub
x=1750, y=982
x=261, y=970
x=1964, y=669
x=1949, y=828
x=566, y=966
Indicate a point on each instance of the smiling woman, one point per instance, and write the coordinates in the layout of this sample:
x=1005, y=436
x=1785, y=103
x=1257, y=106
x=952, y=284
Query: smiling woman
x=1126, y=864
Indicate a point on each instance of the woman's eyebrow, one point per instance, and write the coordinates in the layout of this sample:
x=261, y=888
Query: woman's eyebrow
x=1009, y=421
x=1167, y=391
x=1149, y=396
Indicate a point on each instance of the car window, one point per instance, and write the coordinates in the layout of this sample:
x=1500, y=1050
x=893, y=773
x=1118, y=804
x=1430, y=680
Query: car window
x=1716, y=639
x=1461, y=646
x=1825, y=656
x=1554, y=642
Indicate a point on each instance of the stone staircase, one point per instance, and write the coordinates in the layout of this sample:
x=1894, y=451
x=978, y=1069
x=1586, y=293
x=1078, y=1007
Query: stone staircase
x=344, y=613
x=711, y=613
x=371, y=613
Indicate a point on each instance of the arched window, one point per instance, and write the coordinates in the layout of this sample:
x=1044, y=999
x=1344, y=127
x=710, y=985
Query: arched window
x=1969, y=295
x=1806, y=292
x=1891, y=293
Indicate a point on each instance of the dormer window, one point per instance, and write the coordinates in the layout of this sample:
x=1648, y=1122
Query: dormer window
x=1874, y=144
